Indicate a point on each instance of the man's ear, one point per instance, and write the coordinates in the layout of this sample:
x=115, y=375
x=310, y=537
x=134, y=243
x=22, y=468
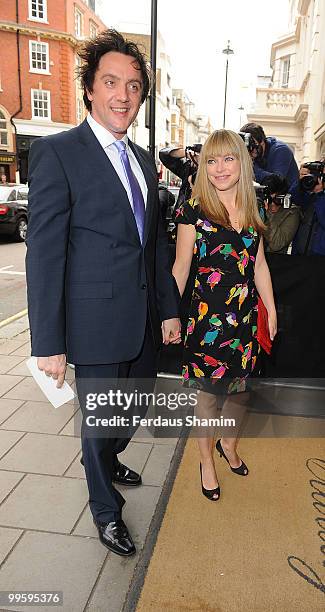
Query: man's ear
x=89, y=95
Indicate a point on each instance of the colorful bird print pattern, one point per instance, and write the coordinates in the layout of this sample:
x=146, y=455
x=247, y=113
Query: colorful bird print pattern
x=221, y=347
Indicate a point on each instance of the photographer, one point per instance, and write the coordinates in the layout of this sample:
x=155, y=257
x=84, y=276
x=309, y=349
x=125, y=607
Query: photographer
x=166, y=201
x=183, y=163
x=309, y=194
x=270, y=155
x=282, y=217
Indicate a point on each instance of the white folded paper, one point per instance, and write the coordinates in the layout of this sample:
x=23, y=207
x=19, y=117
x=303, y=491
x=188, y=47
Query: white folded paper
x=47, y=384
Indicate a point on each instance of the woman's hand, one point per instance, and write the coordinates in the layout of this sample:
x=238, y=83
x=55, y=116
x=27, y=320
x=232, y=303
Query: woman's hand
x=273, y=326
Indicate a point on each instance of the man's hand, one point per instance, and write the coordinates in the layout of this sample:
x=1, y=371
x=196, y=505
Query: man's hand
x=54, y=366
x=303, y=171
x=171, y=331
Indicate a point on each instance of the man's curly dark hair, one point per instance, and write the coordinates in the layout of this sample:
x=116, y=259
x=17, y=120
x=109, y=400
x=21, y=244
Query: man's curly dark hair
x=91, y=51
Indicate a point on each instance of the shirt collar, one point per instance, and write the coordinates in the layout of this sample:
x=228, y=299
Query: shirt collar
x=104, y=137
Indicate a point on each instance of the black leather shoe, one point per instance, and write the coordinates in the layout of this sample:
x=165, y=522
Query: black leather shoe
x=242, y=470
x=124, y=475
x=116, y=537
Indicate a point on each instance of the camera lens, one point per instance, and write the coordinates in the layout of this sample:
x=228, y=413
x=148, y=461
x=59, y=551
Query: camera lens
x=308, y=182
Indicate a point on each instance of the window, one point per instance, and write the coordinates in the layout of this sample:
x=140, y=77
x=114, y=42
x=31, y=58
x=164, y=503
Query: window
x=167, y=125
x=168, y=102
x=3, y=130
x=38, y=56
x=41, y=104
x=37, y=10
x=168, y=80
x=285, y=71
x=92, y=29
x=78, y=29
x=22, y=194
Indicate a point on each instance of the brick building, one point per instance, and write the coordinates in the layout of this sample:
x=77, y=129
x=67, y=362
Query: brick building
x=39, y=94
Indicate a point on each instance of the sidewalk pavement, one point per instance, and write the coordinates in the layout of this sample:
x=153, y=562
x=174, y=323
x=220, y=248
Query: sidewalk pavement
x=47, y=537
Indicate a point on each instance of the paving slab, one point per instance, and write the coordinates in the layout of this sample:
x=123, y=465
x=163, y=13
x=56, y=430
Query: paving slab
x=9, y=346
x=22, y=370
x=24, y=350
x=72, y=566
x=40, y=453
x=137, y=513
x=7, y=382
x=8, y=362
x=76, y=470
x=113, y=584
x=158, y=464
x=39, y=417
x=45, y=503
x=27, y=389
x=8, y=481
x=136, y=456
x=145, y=435
x=18, y=328
x=8, y=407
x=7, y=440
x=8, y=538
x=72, y=428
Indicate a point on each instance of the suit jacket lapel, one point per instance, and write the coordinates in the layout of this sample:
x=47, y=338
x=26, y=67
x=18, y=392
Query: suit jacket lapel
x=99, y=160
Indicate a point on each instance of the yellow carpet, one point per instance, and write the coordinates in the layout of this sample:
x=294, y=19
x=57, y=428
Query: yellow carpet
x=232, y=555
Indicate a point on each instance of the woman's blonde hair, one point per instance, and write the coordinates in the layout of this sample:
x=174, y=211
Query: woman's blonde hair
x=221, y=143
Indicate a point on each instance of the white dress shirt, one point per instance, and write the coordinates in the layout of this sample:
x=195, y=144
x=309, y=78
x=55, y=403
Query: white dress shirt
x=106, y=139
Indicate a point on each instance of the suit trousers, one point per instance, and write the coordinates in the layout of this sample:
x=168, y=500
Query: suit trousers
x=100, y=453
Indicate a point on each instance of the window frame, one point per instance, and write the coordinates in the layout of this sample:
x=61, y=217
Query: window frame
x=37, y=117
x=5, y=131
x=285, y=71
x=78, y=11
x=92, y=26
x=30, y=8
x=39, y=70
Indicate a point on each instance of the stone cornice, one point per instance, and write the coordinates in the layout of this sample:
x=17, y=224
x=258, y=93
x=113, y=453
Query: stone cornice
x=283, y=42
x=34, y=30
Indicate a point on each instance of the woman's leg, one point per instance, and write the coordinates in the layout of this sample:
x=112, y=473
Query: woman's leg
x=206, y=409
x=234, y=407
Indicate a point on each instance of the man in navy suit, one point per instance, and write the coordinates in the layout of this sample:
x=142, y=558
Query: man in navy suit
x=100, y=291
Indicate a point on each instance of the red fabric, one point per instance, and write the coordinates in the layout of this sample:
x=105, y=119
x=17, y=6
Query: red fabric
x=263, y=334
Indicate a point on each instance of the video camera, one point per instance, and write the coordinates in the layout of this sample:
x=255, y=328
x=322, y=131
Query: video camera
x=264, y=196
x=316, y=171
x=249, y=142
x=191, y=151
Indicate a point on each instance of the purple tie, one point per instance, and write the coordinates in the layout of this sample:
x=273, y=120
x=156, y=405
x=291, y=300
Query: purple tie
x=137, y=197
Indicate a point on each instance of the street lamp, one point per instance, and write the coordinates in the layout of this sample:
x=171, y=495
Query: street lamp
x=227, y=51
x=152, y=97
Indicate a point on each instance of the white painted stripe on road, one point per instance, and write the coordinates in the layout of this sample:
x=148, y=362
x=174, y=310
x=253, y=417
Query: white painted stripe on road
x=5, y=270
x=14, y=317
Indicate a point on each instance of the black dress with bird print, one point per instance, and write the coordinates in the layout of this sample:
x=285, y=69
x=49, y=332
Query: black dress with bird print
x=221, y=347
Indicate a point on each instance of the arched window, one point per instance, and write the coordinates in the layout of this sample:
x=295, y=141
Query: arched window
x=3, y=130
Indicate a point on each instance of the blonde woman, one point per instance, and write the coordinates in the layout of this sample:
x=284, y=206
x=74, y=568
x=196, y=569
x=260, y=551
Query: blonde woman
x=222, y=227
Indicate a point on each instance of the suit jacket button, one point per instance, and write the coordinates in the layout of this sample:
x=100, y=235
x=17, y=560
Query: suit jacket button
x=144, y=286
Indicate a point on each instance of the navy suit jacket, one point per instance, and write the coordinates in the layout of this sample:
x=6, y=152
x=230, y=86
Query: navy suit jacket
x=90, y=282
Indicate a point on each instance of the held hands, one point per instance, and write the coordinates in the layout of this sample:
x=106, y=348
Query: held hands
x=171, y=331
x=54, y=366
x=272, y=321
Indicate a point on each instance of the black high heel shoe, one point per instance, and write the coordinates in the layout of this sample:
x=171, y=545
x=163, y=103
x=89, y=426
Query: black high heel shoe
x=242, y=470
x=209, y=493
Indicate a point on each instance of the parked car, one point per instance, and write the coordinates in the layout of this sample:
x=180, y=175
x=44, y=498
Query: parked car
x=13, y=211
